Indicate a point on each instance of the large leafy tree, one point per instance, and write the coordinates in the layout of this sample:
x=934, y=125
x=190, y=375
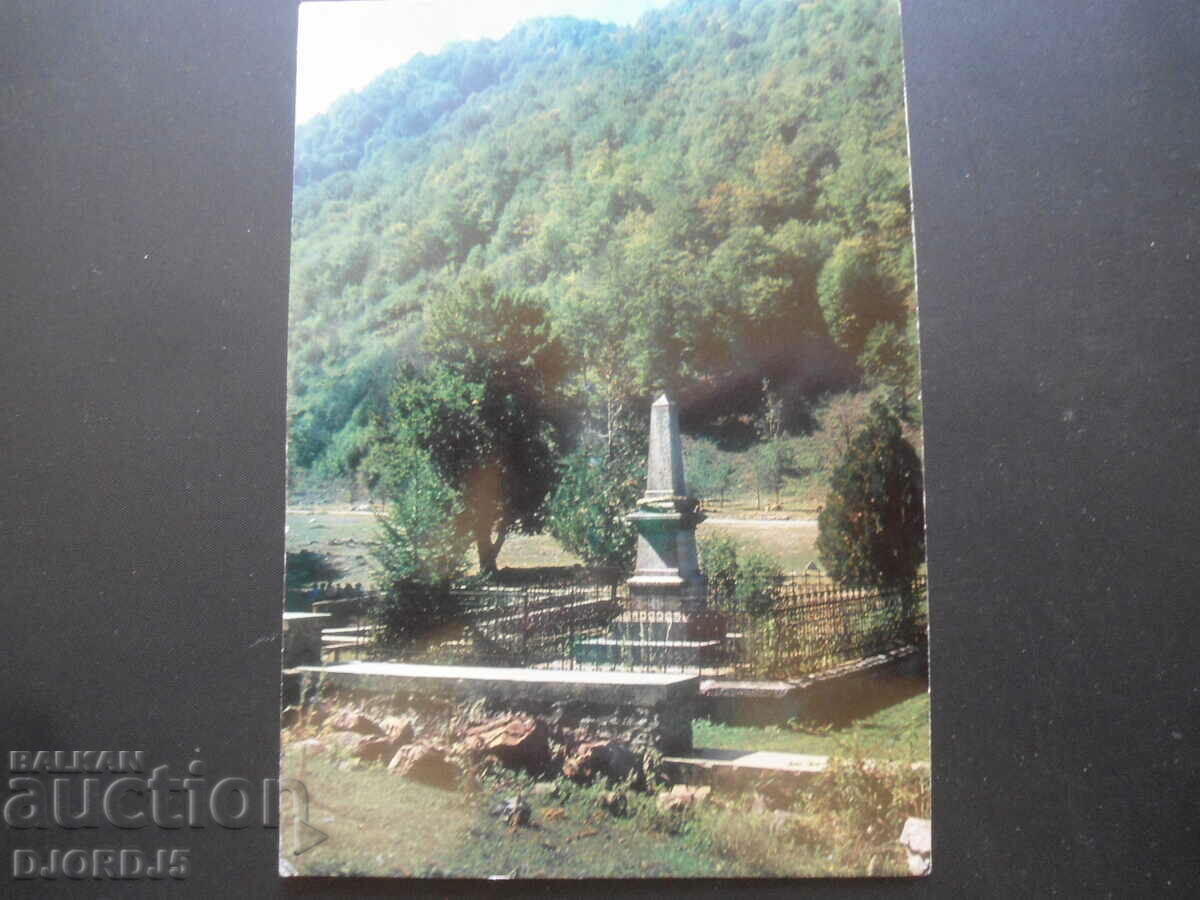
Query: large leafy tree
x=588, y=513
x=488, y=412
x=872, y=529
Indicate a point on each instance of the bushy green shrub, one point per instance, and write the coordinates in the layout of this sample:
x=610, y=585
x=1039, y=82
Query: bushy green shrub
x=758, y=578
x=872, y=529
x=420, y=552
x=718, y=560
x=588, y=511
x=746, y=581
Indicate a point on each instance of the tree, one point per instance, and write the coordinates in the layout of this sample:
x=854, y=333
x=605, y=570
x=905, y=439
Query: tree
x=771, y=461
x=488, y=412
x=710, y=473
x=888, y=360
x=588, y=512
x=854, y=296
x=872, y=529
x=420, y=553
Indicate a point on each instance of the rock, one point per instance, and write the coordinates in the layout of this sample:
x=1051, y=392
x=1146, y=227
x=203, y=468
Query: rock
x=400, y=730
x=917, y=841
x=681, y=797
x=517, y=742
x=350, y=720
x=545, y=789
x=316, y=713
x=775, y=793
x=515, y=811
x=610, y=759
x=344, y=740
x=379, y=748
x=614, y=802
x=312, y=745
x=669, y=802
x=425, y=763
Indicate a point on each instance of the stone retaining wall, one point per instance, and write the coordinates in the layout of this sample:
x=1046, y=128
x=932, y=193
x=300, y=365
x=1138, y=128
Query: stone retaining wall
x=649, y=713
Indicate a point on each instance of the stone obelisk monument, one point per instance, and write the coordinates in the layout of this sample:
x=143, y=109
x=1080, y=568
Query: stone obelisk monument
x=665, y=625
x=667, y=575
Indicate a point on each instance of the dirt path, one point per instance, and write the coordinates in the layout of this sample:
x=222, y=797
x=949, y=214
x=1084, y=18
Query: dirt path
x=784, y=523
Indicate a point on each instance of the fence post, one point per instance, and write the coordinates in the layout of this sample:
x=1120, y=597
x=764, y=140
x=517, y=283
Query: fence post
x=524, y=626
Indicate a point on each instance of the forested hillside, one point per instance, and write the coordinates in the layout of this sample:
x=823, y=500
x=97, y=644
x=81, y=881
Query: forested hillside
x=711, y=201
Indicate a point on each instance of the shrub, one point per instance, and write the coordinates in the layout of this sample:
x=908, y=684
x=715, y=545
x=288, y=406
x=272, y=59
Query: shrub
x=588, y=511
x=748, y=582
x=718, y=559
x=420, y=553
x=872, y=529
x=757, y=587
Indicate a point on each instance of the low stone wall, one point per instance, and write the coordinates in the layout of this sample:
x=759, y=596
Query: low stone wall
x=834, y=696
x=302, y=638
x=649, y=713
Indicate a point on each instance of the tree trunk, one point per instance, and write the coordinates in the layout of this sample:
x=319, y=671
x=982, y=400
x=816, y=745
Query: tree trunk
x=487, y=548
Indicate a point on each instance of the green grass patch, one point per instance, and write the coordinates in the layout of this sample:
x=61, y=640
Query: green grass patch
x=899, y=733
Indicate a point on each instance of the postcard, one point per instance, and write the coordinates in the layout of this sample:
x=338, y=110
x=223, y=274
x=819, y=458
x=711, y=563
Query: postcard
x=606, y=541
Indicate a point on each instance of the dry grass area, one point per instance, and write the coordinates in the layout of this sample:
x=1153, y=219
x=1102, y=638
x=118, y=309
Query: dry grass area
x=345, y=536
x=791, y=544
x=381, y=824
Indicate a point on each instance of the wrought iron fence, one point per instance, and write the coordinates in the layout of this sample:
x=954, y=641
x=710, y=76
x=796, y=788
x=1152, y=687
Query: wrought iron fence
x=798, y=626
x=531, y=625
x=811, y=628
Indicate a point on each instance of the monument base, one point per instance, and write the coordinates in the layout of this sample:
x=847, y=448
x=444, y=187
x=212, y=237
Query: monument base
x=658, y=638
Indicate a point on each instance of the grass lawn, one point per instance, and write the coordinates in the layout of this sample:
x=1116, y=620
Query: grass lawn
x=899, y=733
x=790, y=544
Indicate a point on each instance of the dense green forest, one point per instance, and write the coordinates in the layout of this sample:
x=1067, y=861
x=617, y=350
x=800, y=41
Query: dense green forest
x=714, y=201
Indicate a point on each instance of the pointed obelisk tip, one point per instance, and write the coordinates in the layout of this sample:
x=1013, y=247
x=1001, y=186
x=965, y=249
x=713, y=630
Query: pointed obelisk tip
x=664, y=476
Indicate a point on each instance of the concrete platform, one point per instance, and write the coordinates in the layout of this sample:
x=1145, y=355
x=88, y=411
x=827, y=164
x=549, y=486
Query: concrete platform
x=641, y=689
x=741, y=768
x=760, y=760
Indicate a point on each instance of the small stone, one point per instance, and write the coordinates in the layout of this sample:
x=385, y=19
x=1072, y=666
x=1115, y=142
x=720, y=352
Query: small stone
x=345, y=740
x=312, y=745
x=917, y=840
x=515, y=812
x=671, y=802
x=350, y=720
x=517, y=742
x=425, y=763
x=378, y=749
x=545, y=789
x=614, y=802
x=610, y=759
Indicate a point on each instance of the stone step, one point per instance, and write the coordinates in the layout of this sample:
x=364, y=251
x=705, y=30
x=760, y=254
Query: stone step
x=648, y=631
x=745, y=768
x=610, y=651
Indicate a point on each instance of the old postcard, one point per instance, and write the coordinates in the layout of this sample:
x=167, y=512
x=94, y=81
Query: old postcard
x=606, y=547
